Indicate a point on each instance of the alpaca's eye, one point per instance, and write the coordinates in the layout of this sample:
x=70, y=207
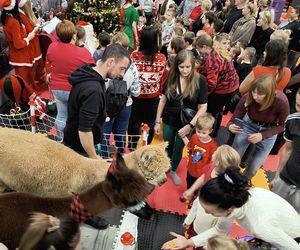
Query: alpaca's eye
x=150, y=178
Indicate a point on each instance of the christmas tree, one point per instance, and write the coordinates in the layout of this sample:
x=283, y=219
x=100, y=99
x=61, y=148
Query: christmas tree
x=104, y=15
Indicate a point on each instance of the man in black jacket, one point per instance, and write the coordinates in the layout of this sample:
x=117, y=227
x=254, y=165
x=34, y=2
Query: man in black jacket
x=86, y=106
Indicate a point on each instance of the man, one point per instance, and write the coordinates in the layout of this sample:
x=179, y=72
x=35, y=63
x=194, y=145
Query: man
x=234, y=15
x=286, y=182
x=86, y=106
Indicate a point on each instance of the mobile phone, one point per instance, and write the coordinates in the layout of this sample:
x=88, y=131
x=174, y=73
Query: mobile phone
x=238, y=122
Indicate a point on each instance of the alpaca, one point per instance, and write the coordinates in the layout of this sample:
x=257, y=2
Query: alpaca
x=121, y=188
x=34, y=164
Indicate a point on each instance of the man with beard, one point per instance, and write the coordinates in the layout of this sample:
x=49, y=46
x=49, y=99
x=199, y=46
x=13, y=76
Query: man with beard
x=86, y=106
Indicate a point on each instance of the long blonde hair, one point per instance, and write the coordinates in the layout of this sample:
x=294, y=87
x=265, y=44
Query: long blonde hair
x=268, y=16
x=27, y=8
x=264, y=85
x=172, y=81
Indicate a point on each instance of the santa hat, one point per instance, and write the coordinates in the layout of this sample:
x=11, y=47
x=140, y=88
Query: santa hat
x=22, y=3
x=7, y=4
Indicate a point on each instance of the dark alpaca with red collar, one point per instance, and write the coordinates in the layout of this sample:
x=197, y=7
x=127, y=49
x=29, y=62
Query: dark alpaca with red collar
x=122, y=188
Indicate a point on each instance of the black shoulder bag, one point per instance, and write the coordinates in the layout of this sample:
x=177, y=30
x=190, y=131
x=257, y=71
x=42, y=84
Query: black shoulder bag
x=186, y=114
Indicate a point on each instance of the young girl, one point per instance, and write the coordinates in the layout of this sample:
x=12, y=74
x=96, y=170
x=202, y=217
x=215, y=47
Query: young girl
x=261, y=212
x=223, y=242
x=224, y=157
x=183, y=83
x=263, y=112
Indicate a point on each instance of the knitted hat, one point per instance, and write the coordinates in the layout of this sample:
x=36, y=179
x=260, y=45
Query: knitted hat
x=22, y=3
x=7, y=4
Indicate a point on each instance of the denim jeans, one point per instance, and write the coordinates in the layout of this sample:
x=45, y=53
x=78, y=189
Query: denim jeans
x=261, y=149
x=118, y=126
x=61, y=98
x=175, y=146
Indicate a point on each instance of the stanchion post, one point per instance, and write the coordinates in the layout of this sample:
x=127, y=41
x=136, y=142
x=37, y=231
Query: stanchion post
x=32, y=116
x=145, y=133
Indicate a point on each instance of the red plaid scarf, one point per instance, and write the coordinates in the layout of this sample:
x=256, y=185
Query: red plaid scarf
x=78, y=211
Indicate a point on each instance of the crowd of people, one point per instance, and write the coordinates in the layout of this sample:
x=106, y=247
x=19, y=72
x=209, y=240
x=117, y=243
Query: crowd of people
x=185, y=64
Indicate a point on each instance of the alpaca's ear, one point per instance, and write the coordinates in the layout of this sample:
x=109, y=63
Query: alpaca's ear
x=164, y=145
x=120, y=163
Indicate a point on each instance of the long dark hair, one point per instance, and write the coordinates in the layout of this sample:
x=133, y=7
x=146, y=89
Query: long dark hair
x=14, y=12
x=228, y=190
x=149, y=43
x=276, y=55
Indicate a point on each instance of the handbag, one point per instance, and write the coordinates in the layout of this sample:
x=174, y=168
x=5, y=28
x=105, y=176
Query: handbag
x=186, y=113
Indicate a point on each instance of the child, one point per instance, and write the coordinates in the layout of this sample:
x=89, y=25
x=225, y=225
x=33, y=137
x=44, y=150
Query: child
x=104, y=41
x=189, y=38
x=235, y=52
x=208, y=20
x=141, y=25
x=223, y=242
x=201, y=147
x=167, y=29
x=197, y=221
x=245, y=67
x=80, y=41
x=177, y=44
x=225, y=156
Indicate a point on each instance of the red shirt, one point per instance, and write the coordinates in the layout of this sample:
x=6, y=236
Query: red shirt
x=64, y=58
x=150, y=73
x=195, y=13
x=200, y=155
x=263, y=70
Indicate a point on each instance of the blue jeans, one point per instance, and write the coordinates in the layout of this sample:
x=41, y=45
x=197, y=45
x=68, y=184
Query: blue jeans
x=61, y=98
x=118, y=126
x=261, y=150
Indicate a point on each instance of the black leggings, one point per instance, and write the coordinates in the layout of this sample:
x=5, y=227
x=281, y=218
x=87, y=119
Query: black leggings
x=143, y=111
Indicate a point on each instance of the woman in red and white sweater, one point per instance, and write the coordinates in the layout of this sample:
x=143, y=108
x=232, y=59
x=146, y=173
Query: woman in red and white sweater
x=150, y=64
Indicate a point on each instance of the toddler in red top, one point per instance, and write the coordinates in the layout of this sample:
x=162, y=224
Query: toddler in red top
x=201, y=148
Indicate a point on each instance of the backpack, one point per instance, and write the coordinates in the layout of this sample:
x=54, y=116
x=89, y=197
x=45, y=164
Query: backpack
x=116, y=96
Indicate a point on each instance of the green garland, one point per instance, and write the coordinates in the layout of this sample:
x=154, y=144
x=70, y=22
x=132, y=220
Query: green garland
x=103, y=15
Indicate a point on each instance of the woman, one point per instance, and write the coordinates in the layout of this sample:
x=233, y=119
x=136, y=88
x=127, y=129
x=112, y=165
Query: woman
x=185, y=84
x=259, y=211
x=263, y=112
x=150, y=64
x=30, y=22
x=222, y=79
x=274, y=64
x=229, y=5
x=129, y=17
x=118, y=125
x=243, y=29
x=20, y=54
x=262, y=34
x=294, y=26
x=62, y=65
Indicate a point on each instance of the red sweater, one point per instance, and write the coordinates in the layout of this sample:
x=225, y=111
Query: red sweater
x=200, y=155
x=64, y=58
x=221, y=75
x=150, y=74
x=274, y=115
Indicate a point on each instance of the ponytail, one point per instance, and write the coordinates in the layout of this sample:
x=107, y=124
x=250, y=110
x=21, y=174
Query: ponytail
x=229, y=189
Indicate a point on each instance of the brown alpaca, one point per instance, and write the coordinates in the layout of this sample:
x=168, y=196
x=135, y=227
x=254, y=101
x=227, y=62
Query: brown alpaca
x=122, y=188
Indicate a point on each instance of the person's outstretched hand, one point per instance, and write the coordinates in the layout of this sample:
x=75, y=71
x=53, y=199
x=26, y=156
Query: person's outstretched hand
x=180, y=242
